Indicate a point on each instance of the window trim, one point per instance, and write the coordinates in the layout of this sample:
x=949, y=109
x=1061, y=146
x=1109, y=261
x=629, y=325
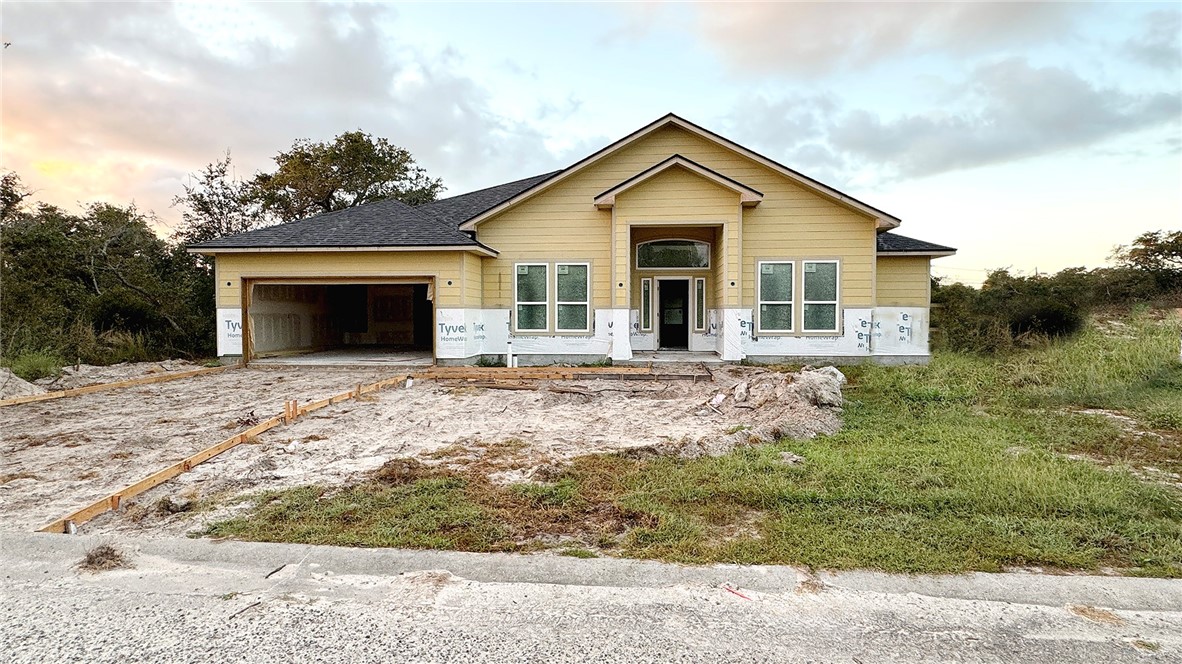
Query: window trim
x=836, y=302
x=709, y=254
x=586, y=303
x=647, y=281
x=699, y=304
x=759, y=301
x=517, y=303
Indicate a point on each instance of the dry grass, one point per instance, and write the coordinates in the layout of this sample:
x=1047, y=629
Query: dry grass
x=1103, y=616
x=103, y=558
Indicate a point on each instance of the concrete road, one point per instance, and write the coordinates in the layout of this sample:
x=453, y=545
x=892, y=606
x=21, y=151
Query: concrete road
x=196, y=601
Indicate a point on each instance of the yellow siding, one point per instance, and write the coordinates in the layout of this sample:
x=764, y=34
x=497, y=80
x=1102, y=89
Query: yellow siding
x=473, y=272
x=904, y=281
x=444, y=266
x=563, y=224
x=677, y=196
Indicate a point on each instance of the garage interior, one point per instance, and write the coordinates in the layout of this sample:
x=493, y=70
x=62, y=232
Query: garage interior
x=368, y=323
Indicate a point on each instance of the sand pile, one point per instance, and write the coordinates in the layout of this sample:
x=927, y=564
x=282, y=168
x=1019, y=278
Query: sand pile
x=763, y=406
x=83, y=375
x=12, y=386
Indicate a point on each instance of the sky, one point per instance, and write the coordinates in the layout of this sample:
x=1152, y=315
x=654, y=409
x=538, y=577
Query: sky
x=1032, y=137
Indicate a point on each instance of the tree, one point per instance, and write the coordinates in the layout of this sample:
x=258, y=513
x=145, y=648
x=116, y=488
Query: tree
x=1158, y=253
x=353, y=169
x=99, y=286
x=12, y=195
x=216, y=205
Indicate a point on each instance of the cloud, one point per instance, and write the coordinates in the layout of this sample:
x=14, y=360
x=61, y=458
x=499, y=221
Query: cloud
x=1160, y=45
x=114, y=101
x=1003, y=111
x=1017, y=111
x=813, y=39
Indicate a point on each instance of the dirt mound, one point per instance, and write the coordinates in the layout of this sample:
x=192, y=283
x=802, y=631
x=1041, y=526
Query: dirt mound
x=762, y=407
x=12, y=386
x=83, y=375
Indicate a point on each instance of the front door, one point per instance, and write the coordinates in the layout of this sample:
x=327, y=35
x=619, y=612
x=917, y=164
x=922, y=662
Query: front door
x=673, y=310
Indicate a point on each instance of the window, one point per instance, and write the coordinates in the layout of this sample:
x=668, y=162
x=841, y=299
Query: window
x=820, y=296
x=646, y=305
x=699, y=304
x=530, y=287
x=573, y=297
x=662, y=254
x=775, y=296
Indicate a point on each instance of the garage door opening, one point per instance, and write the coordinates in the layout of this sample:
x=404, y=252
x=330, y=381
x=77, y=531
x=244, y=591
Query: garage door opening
x=341, y=323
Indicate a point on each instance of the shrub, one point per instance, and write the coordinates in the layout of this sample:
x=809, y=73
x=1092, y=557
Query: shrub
x=1046, y=317
x=34, y=365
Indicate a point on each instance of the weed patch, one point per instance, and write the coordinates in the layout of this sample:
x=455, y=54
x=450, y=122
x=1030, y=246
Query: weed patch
x=102, y=558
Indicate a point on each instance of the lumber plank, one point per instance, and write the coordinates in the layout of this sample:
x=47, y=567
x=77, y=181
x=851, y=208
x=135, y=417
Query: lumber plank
x=293, y=411
x=113, y=500
x=102, y=387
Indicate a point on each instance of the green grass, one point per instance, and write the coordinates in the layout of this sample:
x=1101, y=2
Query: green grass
x=960, y=465
x=34, y=365
x=431, y=513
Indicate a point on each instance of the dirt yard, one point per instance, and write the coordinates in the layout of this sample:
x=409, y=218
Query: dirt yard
x=58, y=456
x=61, y=455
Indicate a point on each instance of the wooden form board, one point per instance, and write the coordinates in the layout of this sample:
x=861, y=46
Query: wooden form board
x=292, y=411
x=101, y=387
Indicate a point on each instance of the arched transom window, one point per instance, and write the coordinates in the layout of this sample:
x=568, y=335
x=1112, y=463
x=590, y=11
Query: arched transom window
x=669, y=254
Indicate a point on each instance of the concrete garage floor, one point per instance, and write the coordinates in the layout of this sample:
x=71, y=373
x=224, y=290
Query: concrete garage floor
x=353, y=357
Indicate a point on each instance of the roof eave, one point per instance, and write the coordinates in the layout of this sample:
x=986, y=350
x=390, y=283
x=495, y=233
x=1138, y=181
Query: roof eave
x=932, y=254
x=475, y=248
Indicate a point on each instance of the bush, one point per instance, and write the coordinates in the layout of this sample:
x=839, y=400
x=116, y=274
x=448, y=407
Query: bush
x=1046, y=317
x=31, y=366
x=1010, y=311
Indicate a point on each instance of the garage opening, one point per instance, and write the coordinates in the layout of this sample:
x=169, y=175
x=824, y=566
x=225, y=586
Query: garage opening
x=341, y=322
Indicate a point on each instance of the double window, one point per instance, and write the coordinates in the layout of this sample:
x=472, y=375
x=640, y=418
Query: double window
x=777, y=295
x=571, y=297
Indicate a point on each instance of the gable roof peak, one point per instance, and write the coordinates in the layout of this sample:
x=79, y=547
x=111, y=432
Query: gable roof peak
x=882, y=219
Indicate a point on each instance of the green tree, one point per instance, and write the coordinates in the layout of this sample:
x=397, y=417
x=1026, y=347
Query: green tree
x=215, y=205
x=353, y=169
x=99, y=286
x=12, y=195
x=1157, y=252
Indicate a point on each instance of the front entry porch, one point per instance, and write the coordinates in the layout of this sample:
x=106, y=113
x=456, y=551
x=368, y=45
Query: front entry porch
x=672, y=357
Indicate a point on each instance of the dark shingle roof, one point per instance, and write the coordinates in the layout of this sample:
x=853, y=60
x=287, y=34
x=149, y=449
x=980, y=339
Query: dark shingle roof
x=394, y=224
x=890, y=243
x=383, y=224
x=458, y=209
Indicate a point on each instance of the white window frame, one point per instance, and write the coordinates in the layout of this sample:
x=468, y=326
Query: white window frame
x=759, y=301
x=586, y=303
x=647, y=282
x=836, y=294
x=709, y=254
x=699, y=304
x=517, y=303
